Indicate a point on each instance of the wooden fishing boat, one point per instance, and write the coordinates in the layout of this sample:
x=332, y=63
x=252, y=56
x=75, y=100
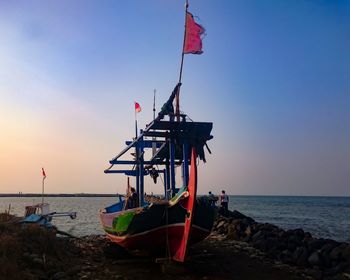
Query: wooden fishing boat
x=180, y=219
x=169, y=224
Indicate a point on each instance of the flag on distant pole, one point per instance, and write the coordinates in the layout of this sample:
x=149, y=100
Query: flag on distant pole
x=44, y=174
x=137, y=107
x=193, y=36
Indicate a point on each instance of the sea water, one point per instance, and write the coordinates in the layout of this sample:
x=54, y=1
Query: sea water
x=323, y=217
x=326, y=217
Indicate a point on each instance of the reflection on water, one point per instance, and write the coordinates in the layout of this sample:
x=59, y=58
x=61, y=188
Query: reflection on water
x=327, y=217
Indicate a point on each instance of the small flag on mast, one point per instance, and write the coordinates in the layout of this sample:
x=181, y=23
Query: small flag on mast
x=137, y=107
x=193, y=37
x=44, y=174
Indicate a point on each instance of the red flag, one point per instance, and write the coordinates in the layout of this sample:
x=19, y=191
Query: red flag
x=193, y=38
x=137, y=107
x=44, y=174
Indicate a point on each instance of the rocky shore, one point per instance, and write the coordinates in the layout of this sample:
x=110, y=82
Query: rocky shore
x=238, y=248
x=319, y=257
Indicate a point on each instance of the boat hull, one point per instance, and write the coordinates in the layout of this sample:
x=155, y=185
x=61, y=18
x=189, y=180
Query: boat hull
x=156, y=227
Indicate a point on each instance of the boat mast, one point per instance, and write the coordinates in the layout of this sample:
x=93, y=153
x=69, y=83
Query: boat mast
x=154, y=144
x=137, y=163
x=177, y=98
x=154, y=104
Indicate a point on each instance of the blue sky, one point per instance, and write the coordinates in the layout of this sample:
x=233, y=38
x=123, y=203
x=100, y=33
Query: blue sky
x=273, y=78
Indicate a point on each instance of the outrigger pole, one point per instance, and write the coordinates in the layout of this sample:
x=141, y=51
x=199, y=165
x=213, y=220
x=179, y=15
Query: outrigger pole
x=177, y=98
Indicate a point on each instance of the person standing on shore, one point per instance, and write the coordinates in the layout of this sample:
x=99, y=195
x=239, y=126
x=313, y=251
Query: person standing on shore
x=133, y=199
x=224, y=201
x=212, y=199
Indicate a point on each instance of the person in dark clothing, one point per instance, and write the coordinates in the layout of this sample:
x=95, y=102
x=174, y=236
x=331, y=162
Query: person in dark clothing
x=212, y=199
x=133, y=200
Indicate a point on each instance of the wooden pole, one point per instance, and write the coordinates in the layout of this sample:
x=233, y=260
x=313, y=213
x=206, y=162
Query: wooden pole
x=154, y=104
x=42, y=191
x=154, y=145
x=137, y=158
x=177, y=98
x=135, y=124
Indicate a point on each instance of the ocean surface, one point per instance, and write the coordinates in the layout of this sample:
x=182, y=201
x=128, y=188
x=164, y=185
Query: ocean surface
x=326, y=217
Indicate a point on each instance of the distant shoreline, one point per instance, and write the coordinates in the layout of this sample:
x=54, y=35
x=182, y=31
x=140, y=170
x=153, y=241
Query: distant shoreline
x=56, y=195
x=114, y=195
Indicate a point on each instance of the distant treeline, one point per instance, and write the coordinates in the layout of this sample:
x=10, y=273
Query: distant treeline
x=56, y=195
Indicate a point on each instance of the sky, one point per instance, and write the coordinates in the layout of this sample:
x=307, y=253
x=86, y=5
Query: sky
x=274, y=79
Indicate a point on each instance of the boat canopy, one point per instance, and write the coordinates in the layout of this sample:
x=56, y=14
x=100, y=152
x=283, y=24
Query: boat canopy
x=171, y=142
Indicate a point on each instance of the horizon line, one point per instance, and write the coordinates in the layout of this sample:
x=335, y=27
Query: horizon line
x=116, y=194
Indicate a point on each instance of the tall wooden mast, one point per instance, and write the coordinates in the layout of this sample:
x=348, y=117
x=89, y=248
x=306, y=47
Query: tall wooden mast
x=177, y=98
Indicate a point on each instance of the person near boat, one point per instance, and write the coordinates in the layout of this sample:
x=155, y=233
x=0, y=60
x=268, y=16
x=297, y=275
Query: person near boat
x=133, y=201
x=224, y=201
x=212, y=199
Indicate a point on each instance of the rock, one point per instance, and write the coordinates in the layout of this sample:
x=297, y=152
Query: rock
x=248, y=232
x=296, y=233
x=340, y=252
x=293, y=242
x=114, y=251
x=316, y=244
x=315, y=259
x=58, y=275
x=315, y=273
x=337, y=269
x=74, y=270
x=328, y=247
x=292, y=246
x=300, y=256
x=173, y=268
x=37, y=262
x=286, y=256
x=267, y=227
x=221, y=224
x=258, y=236
x=232, y=233
x=327, y=262
x=239, y=216
x=299, y=232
